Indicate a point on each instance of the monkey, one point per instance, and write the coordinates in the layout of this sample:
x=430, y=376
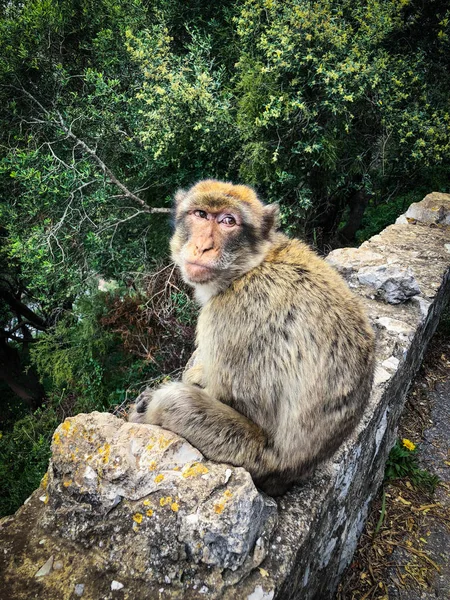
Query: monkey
x=284, y=356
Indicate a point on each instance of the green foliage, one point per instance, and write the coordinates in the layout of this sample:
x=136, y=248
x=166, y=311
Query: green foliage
x=403, y=463
x=334, y=100
x=24, y=455
x=185, y=309
x=110, y=343
x=379, y=216
x=186, y=113
x=76, y=353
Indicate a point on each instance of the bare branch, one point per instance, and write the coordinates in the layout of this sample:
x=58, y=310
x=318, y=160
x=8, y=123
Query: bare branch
x=116, y=224
x=106, y=170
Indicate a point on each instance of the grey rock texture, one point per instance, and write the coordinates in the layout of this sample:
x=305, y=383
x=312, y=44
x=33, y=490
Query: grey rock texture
x=433, y=209
x=392, y=283
x=105, y=522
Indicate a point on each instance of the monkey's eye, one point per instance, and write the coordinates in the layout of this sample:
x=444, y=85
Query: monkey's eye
x=228, y=220
x=202, y=214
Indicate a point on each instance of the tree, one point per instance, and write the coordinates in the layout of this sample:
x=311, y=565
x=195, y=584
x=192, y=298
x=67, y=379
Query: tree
x=336, y=106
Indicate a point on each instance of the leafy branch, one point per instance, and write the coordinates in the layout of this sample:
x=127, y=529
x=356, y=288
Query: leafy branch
x=60, y=123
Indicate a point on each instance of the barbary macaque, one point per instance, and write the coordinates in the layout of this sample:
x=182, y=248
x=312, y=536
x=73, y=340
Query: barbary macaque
x=285, y=354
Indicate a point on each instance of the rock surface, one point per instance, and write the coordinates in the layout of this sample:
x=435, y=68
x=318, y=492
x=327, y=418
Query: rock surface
x=132, y=511
x=392, y=283
x=433, y=209
x=146, y=505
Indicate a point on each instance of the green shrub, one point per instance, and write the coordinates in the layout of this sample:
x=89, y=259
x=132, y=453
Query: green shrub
x=24, y=456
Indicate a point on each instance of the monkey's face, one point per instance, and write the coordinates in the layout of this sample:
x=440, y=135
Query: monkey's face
x=221, y=232
x=209, y=242
x=211, y=238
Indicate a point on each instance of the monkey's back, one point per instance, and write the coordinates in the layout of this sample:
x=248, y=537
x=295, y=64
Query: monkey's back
x=299, y=347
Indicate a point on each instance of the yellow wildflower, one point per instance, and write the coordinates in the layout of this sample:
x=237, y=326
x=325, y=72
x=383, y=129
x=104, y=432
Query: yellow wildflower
x=408, y=444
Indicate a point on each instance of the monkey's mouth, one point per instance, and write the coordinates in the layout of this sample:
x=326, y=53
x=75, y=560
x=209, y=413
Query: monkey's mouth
x=199, y=273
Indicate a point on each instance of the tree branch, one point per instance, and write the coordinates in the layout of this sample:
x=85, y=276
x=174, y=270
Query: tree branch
x=106, y=170
x=35, y=320
x=18, y=326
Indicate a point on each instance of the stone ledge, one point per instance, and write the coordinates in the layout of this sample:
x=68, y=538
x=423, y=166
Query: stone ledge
x=65, y=551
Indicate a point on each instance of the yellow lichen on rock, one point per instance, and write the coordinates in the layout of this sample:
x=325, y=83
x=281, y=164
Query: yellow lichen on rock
x=105, y=451
x=218, y=508
x=167, y=500
x=44, y=481
x=149, y=513
x=152, y=465
x=163, y=442
x=175, y=506
x=66, y=425
x=137, y=518
x=159, y=478
x=194, y=470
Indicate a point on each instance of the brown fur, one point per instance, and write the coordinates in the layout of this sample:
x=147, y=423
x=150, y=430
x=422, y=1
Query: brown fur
x=285, y=352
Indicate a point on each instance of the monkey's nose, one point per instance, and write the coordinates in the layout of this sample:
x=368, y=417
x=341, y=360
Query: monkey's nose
x=206, y=246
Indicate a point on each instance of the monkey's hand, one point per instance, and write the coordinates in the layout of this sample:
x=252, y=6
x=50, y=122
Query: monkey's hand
x=163, y=406
x=194, y=376
x=167, y=406
x=216, y=429
x=138, y=410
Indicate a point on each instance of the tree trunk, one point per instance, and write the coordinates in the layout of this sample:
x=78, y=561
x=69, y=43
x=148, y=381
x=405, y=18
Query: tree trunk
x=358, y=204
x=25, y=384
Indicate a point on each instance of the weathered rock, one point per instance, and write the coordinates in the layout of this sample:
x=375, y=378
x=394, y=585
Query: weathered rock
x=433, y=209
x=148, y=506
x=394, y=284
x=349, y=260
x=108, y=520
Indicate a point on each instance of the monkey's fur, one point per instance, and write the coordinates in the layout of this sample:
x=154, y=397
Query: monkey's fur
x=285, y=354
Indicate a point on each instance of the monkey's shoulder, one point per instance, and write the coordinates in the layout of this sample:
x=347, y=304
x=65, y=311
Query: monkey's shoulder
x=289, y=267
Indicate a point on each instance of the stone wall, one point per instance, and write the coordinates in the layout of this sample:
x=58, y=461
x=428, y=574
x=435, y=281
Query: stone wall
x=132, y=511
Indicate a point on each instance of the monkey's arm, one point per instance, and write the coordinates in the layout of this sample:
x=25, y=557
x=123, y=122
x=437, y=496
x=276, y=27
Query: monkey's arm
x=217, y=430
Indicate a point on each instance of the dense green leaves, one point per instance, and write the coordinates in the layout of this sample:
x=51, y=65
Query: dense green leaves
x=333, y=101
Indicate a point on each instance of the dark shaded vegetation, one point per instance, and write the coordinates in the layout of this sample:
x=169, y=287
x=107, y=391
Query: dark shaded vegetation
x=339, y=112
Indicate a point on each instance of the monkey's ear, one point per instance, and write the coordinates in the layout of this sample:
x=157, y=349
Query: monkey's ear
x=180, y=196
x=271, y=217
